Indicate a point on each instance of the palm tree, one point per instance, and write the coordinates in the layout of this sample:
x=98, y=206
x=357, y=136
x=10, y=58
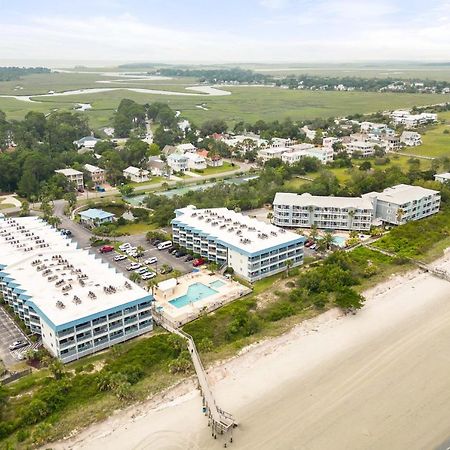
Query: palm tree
x=311, y=215
x=400, y=214
x=351, y=215
x=140, y=251
x=135, y=277
x=328, y=239
x=151, y=284
x=288, y=263
x=314, y=232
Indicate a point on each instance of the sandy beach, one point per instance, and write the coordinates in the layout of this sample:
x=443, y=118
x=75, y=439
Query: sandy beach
x=375, y=380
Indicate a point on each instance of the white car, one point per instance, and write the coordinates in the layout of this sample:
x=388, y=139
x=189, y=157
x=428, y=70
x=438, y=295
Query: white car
x=119, y=257
x=148, y=276
x=124, y=246
x=130, y=250
x=141, y=271
x=151, y=260
x=133, y=266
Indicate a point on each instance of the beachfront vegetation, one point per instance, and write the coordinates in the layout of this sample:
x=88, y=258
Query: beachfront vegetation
x=49, y=403
x=16, y=73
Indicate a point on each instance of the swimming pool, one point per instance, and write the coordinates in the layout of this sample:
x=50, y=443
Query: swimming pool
x=217, y=284
x=339, y=241
x=196, y=292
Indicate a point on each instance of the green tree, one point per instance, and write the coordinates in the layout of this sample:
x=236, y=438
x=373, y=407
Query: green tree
x=25, y=209
x=126, y=190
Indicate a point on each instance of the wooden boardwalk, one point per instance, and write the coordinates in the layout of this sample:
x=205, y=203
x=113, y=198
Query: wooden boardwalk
x=220, y=421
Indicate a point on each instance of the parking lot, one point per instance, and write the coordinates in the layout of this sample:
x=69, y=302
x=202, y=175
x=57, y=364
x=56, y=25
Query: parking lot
x=163, y=256
x=9, y=332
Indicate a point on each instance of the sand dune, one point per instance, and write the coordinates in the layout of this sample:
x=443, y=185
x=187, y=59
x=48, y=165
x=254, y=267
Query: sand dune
x=376, y=380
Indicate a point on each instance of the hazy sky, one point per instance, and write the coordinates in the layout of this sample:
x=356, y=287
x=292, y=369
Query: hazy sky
x=224, y=31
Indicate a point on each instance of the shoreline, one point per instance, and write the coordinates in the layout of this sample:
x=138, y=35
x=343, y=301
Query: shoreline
x=266, y=382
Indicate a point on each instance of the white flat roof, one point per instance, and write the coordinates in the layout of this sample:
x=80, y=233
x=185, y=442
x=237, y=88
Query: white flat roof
x=306, y=199
x=402, y=193
x=234, y=228
x=92, y=169
x=19, y=256
x=136, y=171
x=446, y=175
x=69, y=172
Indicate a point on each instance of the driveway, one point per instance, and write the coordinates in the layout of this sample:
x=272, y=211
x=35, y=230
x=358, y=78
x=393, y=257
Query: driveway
x=10, y=332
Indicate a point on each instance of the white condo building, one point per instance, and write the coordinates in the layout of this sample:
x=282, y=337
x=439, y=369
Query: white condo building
x=365, y=149
x=402, y=203
x=442, y=177
x=74, y=176
x=336, y=213
x=76, y=302
x=253, y=249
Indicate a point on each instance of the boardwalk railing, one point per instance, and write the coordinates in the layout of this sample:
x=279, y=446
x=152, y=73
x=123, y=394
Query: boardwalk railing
x=220, y=420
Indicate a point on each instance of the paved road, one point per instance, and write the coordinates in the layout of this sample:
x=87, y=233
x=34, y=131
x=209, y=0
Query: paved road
x=82, y=235
x=9, y=332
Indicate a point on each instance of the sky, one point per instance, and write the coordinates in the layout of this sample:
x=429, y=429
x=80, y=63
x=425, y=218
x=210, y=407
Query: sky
x=226, y=31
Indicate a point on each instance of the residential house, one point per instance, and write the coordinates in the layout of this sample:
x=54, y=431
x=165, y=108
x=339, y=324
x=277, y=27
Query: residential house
x=136, y=174
x=195, y=161
x=281, y=142
x=74, y=176
x=299, y=151
x=169, y=150
x=158, y=167
x=86, y=142
x=364, y=149
x=211, y=160
x=310, y=134
x=186, y=148
x=329, y=141
x=272, y=152
x=96, y=173
x=411, y=138
x=177, y=162
x=95, y=217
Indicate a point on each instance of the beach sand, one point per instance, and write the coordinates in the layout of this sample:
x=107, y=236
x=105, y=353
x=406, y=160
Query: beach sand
x=375, y=380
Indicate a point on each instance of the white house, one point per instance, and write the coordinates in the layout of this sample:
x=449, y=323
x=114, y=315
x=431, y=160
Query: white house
x=443, y=177
x=329, y=141
x=186, y=148
x=136, y=174
x=272, y=152
x=281, y=142
x=411, y=138
x=364, y=149
x=177, y=162
x=310, y=134
x=195, y=161
x=74, y=176
x=323, y=154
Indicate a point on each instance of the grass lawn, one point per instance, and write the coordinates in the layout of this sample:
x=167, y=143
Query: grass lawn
x=136, y=228
x=6, y=205
x=435, y=142
x=226, y=167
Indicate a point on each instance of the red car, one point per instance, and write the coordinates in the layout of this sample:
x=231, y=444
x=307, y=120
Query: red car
x=198, y=262
x=106, y=249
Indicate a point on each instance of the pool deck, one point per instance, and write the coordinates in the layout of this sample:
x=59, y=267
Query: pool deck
x=178, y=316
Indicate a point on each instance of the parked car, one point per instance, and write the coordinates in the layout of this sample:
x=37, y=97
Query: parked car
x=156, y=242
x=106, y=248
x=119, y=257
x=189, y=258
x=309, y=243
x=148, y=276
x=180, y=253
x=141, y=271
x=172, y=251
x=166, y=269
x=151, y=260
x=198, y=262
x=124, y=246
x=313, y=247
x=133, y=266
x=164, y=245
x=130, y=249
x=66, y=232
x=18, y=344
